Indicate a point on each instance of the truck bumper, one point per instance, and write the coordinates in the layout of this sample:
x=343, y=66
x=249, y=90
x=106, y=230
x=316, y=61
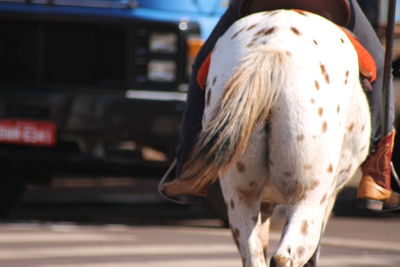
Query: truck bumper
x=97, y=128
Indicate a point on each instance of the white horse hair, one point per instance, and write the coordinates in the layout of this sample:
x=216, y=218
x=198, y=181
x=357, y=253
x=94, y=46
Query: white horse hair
x=286, y=121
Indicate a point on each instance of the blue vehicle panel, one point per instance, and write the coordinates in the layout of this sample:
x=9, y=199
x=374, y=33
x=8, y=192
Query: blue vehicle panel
x=204, y=12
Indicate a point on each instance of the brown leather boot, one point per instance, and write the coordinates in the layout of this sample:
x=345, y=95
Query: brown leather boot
x=374, y=191
x=180, y=191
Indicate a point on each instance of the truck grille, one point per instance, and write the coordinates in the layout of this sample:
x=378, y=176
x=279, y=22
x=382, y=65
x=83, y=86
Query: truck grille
x=46, y=54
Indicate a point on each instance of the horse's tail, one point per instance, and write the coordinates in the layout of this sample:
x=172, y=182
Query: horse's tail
x=248, y=97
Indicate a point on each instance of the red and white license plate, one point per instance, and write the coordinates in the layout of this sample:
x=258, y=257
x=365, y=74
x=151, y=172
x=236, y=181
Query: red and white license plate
x=28, y=132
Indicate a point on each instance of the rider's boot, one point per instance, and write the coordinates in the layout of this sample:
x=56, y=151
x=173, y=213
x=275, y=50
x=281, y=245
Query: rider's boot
x=374, y=191
x=178, y=190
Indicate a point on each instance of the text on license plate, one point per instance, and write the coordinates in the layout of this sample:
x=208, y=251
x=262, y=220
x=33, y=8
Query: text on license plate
x=27, y=132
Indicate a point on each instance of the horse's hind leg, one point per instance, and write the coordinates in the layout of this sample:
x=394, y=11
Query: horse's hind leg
x=242, y=185
x=243, y=202
x=305, y=224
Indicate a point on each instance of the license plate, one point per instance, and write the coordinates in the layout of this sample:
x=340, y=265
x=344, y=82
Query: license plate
x=27, y=132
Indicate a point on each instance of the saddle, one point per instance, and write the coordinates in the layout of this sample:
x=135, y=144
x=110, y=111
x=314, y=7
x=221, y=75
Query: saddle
x=338, y=11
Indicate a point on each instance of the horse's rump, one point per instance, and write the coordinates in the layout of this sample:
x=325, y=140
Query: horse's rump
x=309, y=91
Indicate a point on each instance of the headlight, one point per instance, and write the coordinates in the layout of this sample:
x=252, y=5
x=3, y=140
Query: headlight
x=161, y=71
x=163, y=43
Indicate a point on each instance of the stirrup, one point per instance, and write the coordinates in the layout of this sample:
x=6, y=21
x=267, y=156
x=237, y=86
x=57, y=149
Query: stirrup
x=179, y=199
x=164, y=180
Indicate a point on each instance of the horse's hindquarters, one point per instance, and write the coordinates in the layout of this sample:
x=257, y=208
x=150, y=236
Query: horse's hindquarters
x=318, y=126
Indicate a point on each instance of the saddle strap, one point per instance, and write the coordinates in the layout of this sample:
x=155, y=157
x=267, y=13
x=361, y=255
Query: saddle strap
x=337, y=11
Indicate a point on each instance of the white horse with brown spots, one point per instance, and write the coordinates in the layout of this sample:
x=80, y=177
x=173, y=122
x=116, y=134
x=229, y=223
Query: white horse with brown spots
x=286, y=121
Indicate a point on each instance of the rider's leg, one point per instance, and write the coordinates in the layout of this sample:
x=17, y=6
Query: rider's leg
x=172, y=188
x=375, y=186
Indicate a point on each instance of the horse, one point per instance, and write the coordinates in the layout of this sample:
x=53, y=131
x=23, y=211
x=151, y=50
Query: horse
x=285, y=121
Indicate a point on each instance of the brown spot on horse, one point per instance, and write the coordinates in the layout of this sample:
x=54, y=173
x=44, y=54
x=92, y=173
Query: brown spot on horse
x=308, y=167
x=320, y=112
x=351, y=127
x=300, y=251
x=278, y=260
x=314, y=184
x=295, y=31
x=237, y=33
x=301, y=12
x=304, y=228
x=330, y=168
x=324, y=127
x=232, y=204
x=208, y=98
x=253, y=184
x=325, y=73
x=251, y=27
x=247, y=196
x=316, y=85
x=240, y=167
x=269, y=31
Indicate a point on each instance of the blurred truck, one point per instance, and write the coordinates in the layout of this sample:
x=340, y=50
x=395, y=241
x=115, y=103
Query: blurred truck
x=94, y=85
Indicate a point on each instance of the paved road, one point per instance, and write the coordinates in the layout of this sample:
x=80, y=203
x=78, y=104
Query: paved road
x=348, y=242
x=106, y=227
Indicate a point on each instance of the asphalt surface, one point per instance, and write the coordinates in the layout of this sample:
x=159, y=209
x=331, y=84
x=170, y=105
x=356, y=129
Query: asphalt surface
x=107, y=225
x=348, y=242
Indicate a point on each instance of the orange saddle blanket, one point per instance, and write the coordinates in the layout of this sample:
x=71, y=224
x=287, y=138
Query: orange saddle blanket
x=365, y=61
